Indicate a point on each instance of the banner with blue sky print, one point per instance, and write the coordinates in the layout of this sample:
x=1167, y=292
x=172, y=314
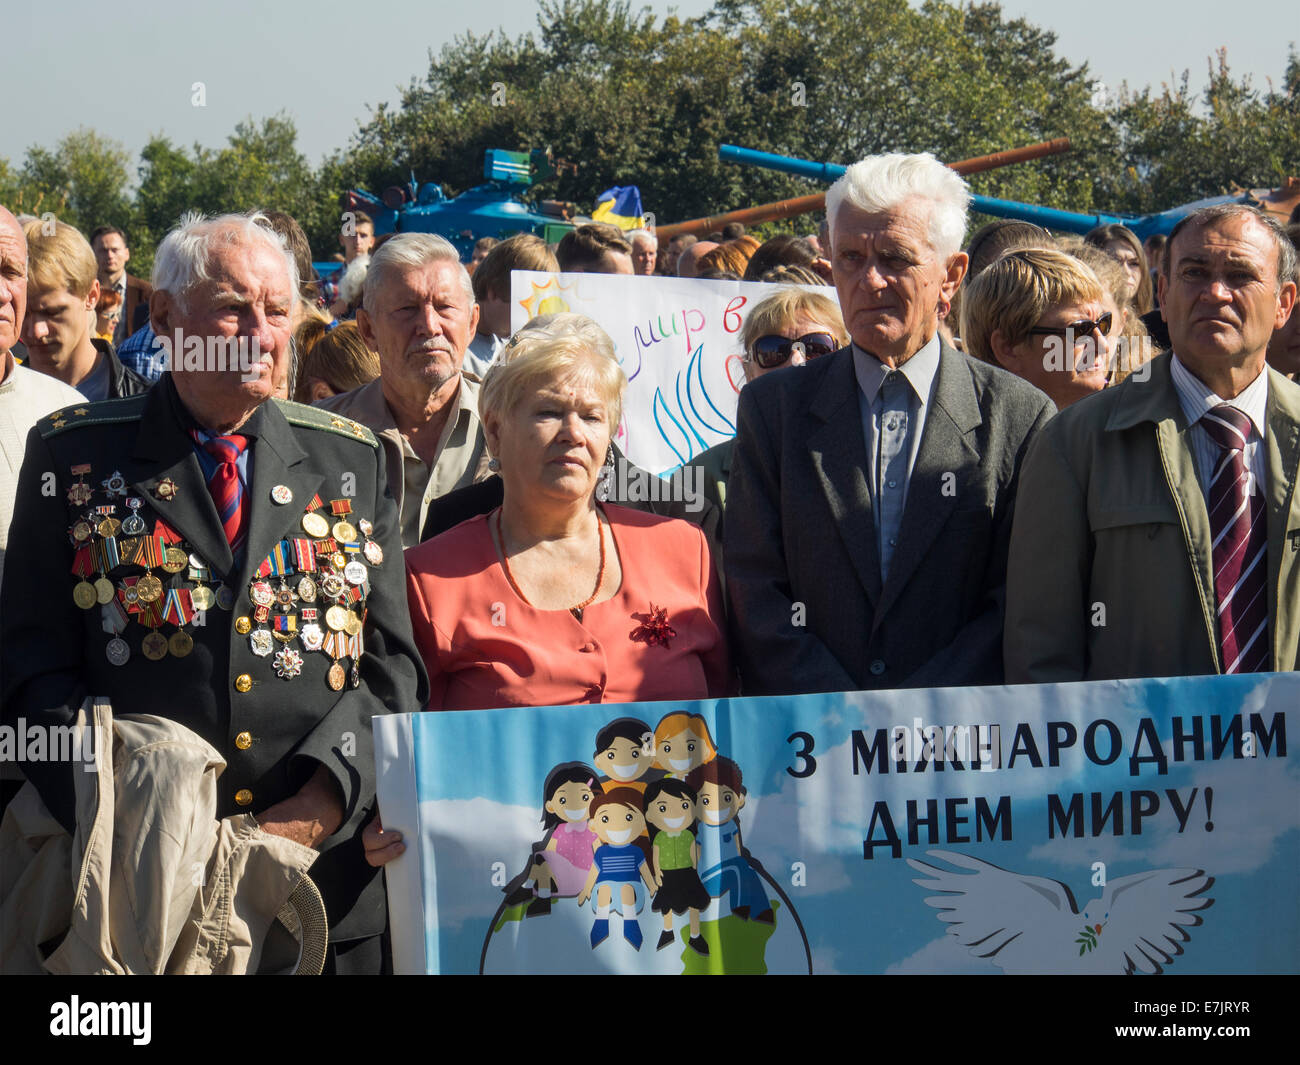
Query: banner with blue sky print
x=1107, y=827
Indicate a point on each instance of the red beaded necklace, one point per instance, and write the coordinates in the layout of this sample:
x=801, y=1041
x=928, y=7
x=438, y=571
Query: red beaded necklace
x=576, y=611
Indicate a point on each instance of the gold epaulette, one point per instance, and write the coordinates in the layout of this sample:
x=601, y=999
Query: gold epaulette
x=326, y=421
x=102, y=412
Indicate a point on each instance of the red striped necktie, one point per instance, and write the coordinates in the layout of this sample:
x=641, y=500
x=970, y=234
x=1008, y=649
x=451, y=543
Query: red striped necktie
x=1239, y=528
x=227, y=493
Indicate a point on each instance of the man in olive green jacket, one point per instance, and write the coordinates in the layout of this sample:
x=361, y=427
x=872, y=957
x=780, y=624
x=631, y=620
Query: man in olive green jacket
x=1110, y=571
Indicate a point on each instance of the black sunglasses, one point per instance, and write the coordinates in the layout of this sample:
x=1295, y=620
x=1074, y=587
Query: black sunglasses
x=1078, y=330
x=773, y=351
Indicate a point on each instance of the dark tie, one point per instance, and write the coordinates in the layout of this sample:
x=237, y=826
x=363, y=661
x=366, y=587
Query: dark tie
x=227, y=492
x=1239, y=555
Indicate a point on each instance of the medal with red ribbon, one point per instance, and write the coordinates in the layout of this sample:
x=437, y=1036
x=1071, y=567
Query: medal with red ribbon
x=166, y=532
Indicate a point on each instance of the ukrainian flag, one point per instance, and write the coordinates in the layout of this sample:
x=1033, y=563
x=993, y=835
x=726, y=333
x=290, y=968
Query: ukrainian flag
x=619, y=206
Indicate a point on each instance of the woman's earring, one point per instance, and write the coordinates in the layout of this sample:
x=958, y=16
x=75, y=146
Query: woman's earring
x=494, y=464
x=605, y=478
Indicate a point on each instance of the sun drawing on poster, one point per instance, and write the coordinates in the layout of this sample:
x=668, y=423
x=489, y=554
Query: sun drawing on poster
x=545, y=299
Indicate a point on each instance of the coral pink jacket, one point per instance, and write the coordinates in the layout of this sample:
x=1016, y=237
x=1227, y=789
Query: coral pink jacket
x=484, y=647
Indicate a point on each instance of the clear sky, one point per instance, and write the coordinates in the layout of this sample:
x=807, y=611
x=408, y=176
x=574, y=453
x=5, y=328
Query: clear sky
x=326, y=63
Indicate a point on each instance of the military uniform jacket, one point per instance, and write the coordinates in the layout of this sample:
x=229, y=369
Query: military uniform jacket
x=274, y=715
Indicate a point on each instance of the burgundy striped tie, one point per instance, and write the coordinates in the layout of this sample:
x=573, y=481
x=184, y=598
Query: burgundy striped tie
x=1239, y=554
x=227, y=492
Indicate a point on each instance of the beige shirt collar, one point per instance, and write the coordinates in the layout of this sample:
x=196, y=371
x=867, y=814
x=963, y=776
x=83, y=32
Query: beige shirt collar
x=453, y=465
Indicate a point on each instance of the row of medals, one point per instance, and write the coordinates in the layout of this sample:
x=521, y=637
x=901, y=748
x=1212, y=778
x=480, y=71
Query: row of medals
x=331, y=585
x=149, y=588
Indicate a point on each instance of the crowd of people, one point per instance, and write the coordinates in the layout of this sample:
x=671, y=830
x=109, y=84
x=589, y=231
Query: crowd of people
x=1004, y=459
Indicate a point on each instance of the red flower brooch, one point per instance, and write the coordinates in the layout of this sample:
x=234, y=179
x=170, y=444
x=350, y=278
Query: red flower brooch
x=654, y=627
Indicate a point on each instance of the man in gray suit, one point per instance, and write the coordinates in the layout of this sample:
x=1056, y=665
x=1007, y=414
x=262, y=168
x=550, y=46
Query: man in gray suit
x=872, y=490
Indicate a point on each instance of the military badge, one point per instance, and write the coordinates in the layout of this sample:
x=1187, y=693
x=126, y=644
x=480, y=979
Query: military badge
x=134, y=525
x=313, y=636
x=114, y=485
x=288, y=663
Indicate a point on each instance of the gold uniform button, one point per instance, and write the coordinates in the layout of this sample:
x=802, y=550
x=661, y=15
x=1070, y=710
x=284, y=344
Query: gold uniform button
x=244, y=797
x=244, y=741
x=243, y=626
x=243, y=682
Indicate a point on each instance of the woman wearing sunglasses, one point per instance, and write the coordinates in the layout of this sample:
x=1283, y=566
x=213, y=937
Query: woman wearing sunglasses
x=1039, y=313
x=788, y=328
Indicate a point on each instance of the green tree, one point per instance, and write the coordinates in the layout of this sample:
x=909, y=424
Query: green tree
x=10, y=186
x=82, y=179
x=260, y=167
x=1171, y=152
x=640, y=101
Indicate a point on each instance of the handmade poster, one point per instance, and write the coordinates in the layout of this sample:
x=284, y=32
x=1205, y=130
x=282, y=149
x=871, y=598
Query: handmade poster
x=678, y=340
x=1108, y=827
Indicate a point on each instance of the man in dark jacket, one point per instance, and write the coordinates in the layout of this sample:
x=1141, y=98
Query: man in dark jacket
x=871, y=493
x=112, y=255
x=227, y=561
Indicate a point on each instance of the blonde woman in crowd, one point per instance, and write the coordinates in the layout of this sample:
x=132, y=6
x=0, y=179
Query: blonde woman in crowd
x=1041, y=314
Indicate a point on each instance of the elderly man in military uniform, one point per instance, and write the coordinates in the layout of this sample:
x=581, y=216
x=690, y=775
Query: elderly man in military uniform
x=231, y=562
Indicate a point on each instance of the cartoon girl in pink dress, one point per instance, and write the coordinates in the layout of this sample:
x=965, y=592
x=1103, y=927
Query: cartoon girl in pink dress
x=561, y=863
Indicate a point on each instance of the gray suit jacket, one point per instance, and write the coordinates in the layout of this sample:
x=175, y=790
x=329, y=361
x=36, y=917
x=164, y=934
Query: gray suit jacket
x=808, y=608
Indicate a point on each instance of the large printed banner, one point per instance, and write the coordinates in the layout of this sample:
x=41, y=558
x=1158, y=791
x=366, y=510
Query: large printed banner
x=1108, y=827
x=678, y=340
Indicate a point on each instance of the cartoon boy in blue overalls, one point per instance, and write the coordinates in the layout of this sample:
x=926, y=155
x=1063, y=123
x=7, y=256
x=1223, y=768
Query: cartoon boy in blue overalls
x=724, y=869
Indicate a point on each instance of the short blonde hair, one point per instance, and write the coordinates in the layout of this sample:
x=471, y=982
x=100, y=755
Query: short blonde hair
x=771, y=314
x=62, y=259
x=551, y=347
x=1013, y=293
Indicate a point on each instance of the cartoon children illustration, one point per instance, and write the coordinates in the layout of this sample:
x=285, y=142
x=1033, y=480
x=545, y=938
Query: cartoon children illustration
x=723, y=865
x=623, y=755
x=559, y=865
x=682, y=742
x=618, y=819
x=670, y=807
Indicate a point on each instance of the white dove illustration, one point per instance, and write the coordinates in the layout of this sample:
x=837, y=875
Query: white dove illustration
x=1030, y=924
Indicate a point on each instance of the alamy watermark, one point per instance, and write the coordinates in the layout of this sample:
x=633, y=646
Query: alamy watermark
x=631, y=484
x=1130, y=355
x=90, y=1018
x=25, y=742
x=193, y=353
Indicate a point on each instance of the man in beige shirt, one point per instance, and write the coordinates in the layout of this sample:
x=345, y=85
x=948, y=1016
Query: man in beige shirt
x=419, y=314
